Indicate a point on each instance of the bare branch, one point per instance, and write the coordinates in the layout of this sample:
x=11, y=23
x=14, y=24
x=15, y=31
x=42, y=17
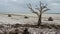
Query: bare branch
x=45, y=10
x=44, y=6
x=36, y=13
x=30, y=7
x=38, y=9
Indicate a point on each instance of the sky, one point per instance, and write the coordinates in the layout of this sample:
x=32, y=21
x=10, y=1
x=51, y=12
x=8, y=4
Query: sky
x=20, y=6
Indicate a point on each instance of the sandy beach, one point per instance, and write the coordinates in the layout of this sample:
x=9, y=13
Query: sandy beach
x=32, y=19
x=19, y=18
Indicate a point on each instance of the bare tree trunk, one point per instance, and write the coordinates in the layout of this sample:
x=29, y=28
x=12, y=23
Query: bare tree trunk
x=39, y=20
x=42, y=8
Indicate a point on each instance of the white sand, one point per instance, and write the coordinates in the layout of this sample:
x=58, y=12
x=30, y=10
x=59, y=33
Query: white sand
x=19, y=18
x=4, y=19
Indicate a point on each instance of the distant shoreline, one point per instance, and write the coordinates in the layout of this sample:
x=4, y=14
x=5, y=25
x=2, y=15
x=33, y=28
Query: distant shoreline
x=51, y=13
x=27, y=13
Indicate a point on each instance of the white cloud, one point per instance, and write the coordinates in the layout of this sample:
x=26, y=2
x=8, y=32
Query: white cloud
x=21, y=3
x=55, y=4
x=14, y=0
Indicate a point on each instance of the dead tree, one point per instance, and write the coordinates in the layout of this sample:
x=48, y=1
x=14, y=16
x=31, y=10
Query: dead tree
x=41, y=9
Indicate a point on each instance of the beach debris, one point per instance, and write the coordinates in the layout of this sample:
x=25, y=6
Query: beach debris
x=50, y=19
x=26, y=31
x=9, y=15
x=26, y=17
x=1, y=32
x=16, y=25
x=16, y=31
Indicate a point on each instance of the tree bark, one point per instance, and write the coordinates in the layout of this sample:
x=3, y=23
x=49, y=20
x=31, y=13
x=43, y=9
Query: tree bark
x=39, y=20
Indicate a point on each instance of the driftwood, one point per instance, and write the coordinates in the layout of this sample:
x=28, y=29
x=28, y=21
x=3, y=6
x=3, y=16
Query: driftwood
x=35, y=26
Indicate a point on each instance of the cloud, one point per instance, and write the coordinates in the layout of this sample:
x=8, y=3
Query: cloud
x=55, y=4
x=56, y=1
x=20, y=5
x=14, y=0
